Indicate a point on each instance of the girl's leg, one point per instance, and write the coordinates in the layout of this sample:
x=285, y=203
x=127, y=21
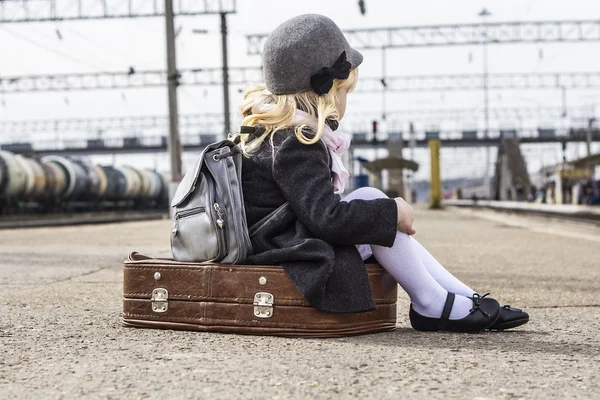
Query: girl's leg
x=439, y=273
x=435, y=269
x=403, y=262
x=426, y=295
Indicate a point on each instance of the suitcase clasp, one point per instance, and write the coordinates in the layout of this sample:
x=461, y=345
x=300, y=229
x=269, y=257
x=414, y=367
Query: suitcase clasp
x=160, y=300
x=263, y=305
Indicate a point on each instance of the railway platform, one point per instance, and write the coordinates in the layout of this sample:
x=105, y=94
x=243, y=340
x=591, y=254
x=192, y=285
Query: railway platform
x=571, y=212
x=61, y=334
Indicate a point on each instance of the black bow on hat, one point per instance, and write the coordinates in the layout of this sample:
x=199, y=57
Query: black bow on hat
x=322, y=81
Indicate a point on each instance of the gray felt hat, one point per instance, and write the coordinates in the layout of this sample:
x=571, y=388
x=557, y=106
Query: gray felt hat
x=302, y=47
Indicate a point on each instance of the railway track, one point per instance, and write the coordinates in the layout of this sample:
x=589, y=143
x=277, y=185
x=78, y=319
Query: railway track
x=79, y=218
x=565, y=212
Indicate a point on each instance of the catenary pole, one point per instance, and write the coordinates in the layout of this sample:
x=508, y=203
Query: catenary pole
x=173, y=144
x=486, y=100
x=226, y=113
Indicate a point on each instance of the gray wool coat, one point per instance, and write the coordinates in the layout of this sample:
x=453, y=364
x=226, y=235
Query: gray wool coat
x=314, y=236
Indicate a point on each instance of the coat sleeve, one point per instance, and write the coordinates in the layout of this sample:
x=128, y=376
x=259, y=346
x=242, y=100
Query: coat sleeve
x=302, y=173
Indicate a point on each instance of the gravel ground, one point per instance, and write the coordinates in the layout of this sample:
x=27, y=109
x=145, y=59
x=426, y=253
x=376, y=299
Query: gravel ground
x=61, y=336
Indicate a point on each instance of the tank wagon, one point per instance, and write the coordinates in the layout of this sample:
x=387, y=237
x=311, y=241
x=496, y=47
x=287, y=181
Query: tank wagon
x=56, y=183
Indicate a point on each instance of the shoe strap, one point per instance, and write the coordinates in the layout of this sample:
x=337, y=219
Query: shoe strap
x=447, y=309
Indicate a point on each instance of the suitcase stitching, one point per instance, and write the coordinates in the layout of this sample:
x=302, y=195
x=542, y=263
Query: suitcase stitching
x=190, y=297
x=270, y=272
x=209, y=290
x=233, y=270
x=278, y=324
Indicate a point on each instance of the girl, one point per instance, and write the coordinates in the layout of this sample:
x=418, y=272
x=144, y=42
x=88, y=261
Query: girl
x=293, y=159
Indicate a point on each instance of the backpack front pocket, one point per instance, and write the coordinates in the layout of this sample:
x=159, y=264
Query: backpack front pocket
x=195, y=236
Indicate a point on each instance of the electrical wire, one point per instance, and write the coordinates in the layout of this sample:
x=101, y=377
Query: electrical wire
x=50, y=50
x=192, y=96
x=98, y=44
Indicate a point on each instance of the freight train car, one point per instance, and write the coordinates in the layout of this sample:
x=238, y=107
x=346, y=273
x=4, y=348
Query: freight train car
x=55, y=184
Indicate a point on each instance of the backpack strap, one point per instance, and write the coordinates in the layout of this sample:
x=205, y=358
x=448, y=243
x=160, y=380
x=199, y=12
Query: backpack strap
x=247, y=129
x=233, y=150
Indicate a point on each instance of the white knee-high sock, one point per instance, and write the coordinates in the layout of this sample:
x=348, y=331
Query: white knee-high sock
x=439, y=273
x=403, y=262
x=427, y=296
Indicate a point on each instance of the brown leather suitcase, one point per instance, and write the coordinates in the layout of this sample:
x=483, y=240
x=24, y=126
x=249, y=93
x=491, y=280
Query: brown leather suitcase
x=258, y=300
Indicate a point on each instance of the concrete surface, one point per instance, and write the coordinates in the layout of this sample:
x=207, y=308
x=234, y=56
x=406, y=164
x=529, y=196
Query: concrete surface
x=571, y=211
x=78, y=218
x=61, y=336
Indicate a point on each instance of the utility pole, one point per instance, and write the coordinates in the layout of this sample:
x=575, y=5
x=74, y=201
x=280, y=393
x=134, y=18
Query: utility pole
x=412, y=140
x=564, y=114
x=383, y=83
x=588, y=136
x=174, y=144
x=564, y=101
x=226, y=112
x=412, y=143
x=486, y=178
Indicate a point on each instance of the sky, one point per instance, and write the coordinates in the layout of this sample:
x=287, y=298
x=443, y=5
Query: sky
x=115, y=45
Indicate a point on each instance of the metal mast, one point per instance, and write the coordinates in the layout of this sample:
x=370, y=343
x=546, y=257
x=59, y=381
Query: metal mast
x=174, y=144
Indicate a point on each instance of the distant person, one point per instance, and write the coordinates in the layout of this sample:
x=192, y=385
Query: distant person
x=459, y=194
x=542, y=195
x=532, y=193
x=594, y=194
x=520, y=193
x=581, y=193
x=587, y=192
x=293, y=155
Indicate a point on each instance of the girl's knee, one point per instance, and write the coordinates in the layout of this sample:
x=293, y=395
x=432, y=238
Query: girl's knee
x=368, y=193
x=402, y=237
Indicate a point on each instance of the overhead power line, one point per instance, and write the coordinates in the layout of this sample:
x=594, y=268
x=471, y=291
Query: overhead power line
x=455, y=82
x=122, y=55
x=17, y=11
x=48, y=49
x=125, y=80
x=84, y=56
x=243, y=75
x=137, y=122
x=463, y=34
x=148, y=122
x=465, y=114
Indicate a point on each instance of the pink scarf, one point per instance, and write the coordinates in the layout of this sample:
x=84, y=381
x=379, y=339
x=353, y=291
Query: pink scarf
x=336, y=142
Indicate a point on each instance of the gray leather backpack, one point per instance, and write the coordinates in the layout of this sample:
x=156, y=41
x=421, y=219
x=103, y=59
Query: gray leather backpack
x=209, y=219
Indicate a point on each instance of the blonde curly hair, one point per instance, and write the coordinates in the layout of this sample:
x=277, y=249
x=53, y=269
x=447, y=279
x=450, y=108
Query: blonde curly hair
x=274, y=112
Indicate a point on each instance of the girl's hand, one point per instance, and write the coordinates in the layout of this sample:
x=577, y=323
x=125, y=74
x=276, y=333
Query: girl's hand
x=405, y=216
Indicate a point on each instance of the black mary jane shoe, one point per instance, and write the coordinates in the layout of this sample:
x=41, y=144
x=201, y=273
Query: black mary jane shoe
x=484, y=314
x=510, y=318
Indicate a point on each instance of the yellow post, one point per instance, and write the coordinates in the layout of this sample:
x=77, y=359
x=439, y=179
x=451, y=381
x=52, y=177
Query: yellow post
x=435, y=192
